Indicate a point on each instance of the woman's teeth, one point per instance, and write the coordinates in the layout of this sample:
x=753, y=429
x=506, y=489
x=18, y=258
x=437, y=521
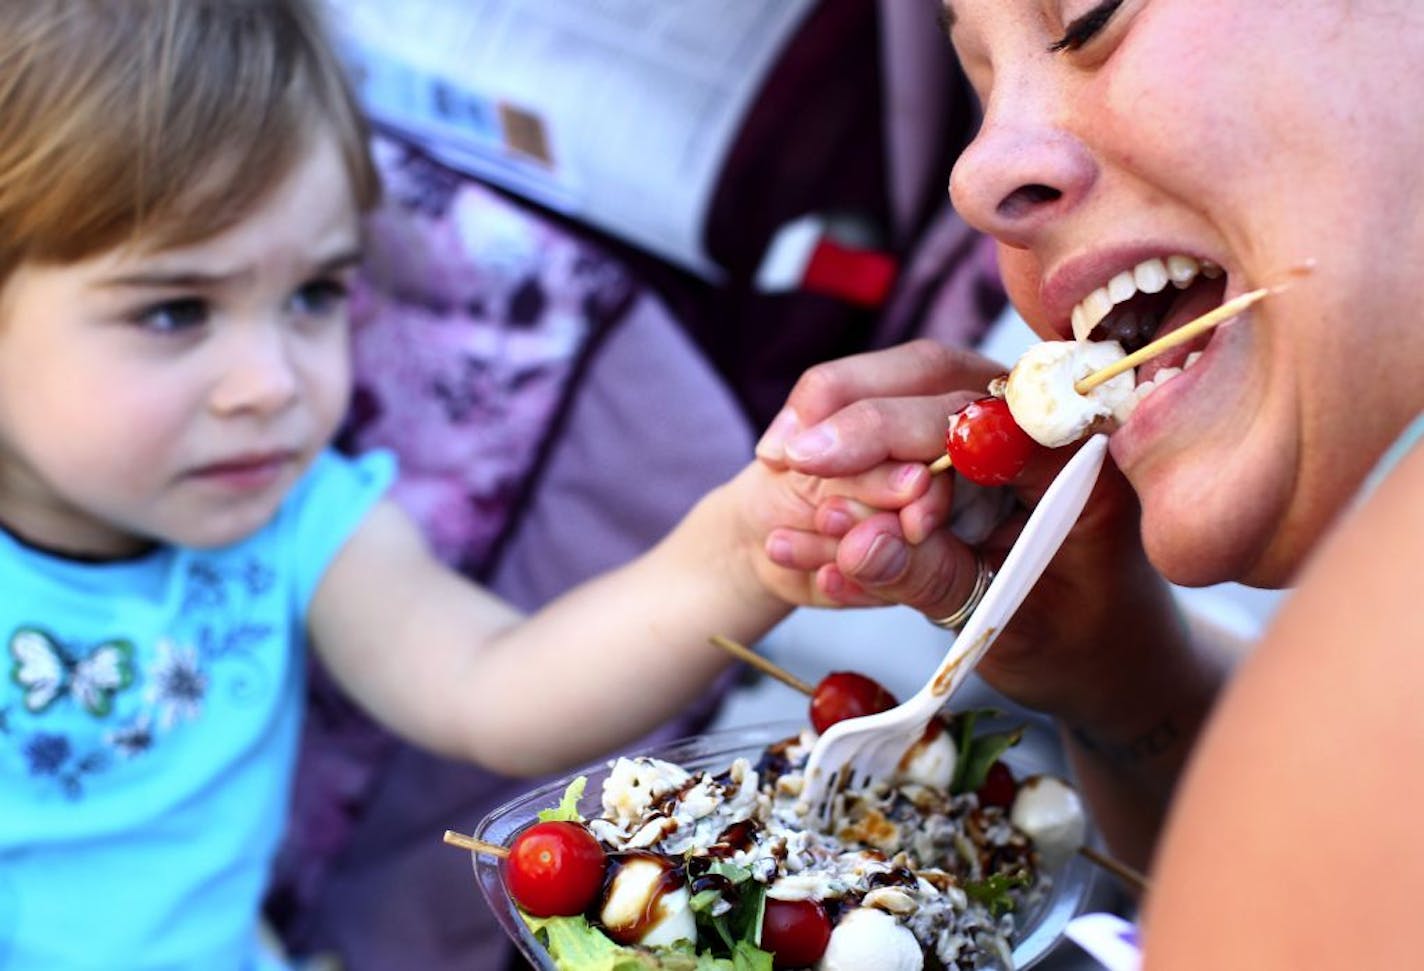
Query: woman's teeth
x=1161, y=377
x=1149, y=276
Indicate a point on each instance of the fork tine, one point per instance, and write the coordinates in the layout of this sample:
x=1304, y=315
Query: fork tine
x=834, y=784
x=860, y=756
x=865, y=758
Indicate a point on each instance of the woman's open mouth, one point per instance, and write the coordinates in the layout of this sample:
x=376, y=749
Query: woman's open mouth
x=1148, y=301
x=1153, y=298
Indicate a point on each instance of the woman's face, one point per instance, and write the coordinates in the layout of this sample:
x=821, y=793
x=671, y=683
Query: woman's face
x=1247, y=135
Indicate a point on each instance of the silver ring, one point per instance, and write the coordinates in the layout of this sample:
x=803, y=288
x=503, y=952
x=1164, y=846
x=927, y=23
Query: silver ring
x=983, y=576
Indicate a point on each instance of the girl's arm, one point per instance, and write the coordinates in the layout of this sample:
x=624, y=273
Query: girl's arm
x=455, y=669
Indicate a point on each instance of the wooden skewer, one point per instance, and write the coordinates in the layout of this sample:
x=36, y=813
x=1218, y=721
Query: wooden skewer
x=1117, y=868
x=762, y=664
x=1120, y=870
x=474, y=845
x=769, y=667
x=1190, y=329
x=1166, y=342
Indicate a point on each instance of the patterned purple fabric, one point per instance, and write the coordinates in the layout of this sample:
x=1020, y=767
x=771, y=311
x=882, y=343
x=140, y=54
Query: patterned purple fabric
x=470, y=323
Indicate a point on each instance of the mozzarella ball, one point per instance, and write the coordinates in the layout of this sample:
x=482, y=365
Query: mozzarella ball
x=641, y=908
x=868, y=938
x=1051, y=813
x=930, y=761
x=1042, y=399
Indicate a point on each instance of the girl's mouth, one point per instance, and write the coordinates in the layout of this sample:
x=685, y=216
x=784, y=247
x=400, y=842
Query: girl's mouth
x=245, y=473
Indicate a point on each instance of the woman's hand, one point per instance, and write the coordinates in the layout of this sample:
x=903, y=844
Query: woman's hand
x=1098, y=643
x=1099, y=619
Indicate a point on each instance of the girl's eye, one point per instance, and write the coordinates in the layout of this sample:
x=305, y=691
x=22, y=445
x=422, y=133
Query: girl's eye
x=174, y=315
x=1085, y=28
x=318, y=298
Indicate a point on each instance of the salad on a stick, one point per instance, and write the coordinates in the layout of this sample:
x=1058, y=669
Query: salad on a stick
x=1060, y=391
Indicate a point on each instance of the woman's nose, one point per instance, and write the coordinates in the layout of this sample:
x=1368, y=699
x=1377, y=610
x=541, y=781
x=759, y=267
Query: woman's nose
x=1017, y=175
x=259, y=375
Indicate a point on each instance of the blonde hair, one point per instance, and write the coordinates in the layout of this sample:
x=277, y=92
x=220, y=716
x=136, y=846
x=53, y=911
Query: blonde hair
x=160, y=121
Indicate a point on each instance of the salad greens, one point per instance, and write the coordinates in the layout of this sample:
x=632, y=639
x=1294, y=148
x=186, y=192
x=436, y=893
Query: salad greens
x=577, y=945
x=978, y=752
x=996, y=891
x=567, y=809
x=742, y=923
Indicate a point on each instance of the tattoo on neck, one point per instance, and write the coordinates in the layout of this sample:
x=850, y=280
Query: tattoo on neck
x=1156, y=741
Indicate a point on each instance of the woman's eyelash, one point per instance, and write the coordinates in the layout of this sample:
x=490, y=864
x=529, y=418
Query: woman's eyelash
x=1083, y=29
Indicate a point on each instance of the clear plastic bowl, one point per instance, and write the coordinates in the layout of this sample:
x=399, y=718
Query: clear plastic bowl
x=1040, y=928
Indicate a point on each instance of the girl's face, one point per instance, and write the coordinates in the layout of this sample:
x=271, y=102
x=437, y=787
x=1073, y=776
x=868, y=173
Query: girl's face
x=1246, y=135
x=176, y=396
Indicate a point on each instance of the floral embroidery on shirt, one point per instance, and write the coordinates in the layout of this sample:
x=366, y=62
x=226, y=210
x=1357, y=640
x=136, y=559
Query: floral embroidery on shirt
x=132, y=739
x=209, y=586
x=227, y=594
x=176, y=684
x=50, y=754
x=172, y=678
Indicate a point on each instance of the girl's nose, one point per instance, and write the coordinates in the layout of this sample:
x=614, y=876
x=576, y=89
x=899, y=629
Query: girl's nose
x=259, y=374
x=1017, y=175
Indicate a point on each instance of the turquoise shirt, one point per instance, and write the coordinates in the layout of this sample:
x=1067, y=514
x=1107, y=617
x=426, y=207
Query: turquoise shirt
x=149, y=712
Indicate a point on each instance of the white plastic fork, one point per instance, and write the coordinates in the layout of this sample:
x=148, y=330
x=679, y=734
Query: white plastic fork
x=859, y=752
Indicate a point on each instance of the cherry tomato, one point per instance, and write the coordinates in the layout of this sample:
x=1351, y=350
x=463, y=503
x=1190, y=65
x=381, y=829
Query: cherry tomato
x=986, y=445
x=844, y=694
x=999, y=787
x=554, y=869
x=796, y=932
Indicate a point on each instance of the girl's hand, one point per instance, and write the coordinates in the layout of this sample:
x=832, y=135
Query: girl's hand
x=787, y=523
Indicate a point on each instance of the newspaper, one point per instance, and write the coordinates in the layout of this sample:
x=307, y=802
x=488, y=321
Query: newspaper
x=618, y=113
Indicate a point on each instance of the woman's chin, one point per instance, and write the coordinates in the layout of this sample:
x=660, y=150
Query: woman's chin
x=1198, y=532
x=1189, y=561
x=1208, y=545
